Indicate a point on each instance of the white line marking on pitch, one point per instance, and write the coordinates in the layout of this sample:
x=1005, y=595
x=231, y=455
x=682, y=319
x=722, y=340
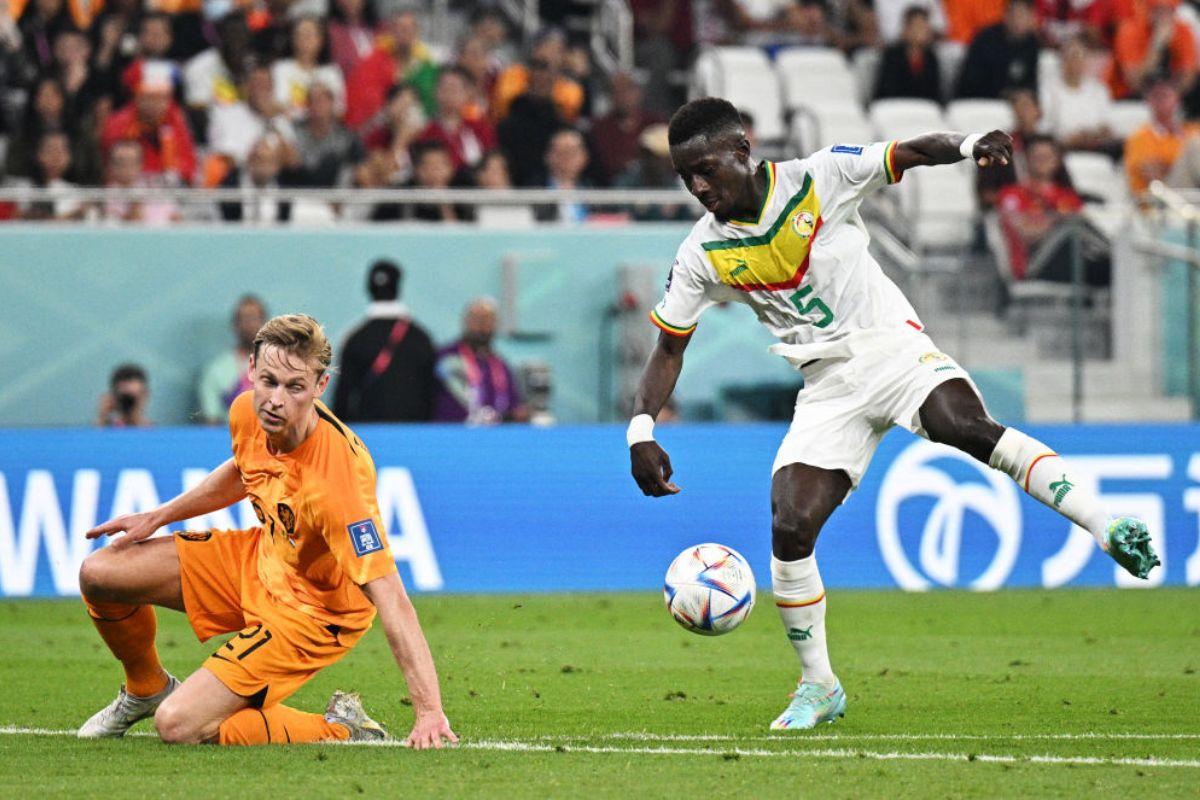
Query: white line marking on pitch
x=516, y=746
x=909, y=737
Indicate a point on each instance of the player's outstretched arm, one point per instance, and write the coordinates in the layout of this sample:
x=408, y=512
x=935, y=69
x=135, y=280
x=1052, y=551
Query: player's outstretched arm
x=949, y=148
x=403, y=630
x=649, y=463
x=221, y=488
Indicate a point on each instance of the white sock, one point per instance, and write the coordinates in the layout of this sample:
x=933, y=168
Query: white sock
x=1047, y=478
x=800, y=598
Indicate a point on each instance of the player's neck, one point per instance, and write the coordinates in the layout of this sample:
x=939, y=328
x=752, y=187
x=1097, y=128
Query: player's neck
x=289, y=439
x=754, y=194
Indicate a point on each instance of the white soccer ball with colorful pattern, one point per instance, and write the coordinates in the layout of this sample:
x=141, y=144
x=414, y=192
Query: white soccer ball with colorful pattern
x=709, y=589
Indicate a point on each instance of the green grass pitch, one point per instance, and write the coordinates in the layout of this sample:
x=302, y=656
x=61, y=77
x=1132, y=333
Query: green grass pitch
x=1018, y=694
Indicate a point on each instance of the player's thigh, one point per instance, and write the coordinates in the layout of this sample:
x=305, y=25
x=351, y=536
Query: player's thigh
x=145, y=572
x=193, y=713
x=954, y=414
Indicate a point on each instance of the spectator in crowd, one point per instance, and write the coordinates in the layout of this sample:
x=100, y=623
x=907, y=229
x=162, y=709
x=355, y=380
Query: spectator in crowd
x=614, y=136
x=228, y=374
x=806, y=23
x=213, y=77
x=476, y=385
x=857, y=25
x=1028, y=123
x=261, y=171
x=308, y=64
x=271, y=29
x=40, y=22
x=490, y=26
x=483, y=69
x=544, y=66
x=664, y=37
x=352, y=25
x=390, y=139
x=493, y=173
x=399, y=58
x=653, y=169
x=386, y=366
x=967, y=18
x=566, y=161
x=893, y=17
x=1185, y=172
x=153, y=44
x=46, y=111
x=73, y=68
x=124, y=171
x=12, y=71
x=433, y=168
x=909, y=67
x=124, y=404
x=1152, y=150
x=466, y=139
x=1059, y=21
x=326, y=149
x=117, y=41
x=235, y=127
x=1152, y=43
x=531, y=121
x=1030, y=211
x=154, y=119
x=577, y=66
x=1076, y=104
x=1003, y=56
x=53, y=164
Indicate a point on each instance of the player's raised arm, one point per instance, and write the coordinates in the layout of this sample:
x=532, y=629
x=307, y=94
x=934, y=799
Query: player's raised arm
x=649, y=463
x=411, y=651
x=221, y=488
x=930, y=149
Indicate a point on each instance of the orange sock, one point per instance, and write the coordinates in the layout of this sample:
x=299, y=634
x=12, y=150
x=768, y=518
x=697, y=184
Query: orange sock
x=279, y=725
x=129, y=633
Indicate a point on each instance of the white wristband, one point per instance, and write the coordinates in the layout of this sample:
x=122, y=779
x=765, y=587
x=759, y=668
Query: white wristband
x=641, y=429
x=967, y=148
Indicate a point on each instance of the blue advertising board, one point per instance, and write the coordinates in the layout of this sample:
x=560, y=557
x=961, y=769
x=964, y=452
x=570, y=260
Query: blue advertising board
x=520, y=509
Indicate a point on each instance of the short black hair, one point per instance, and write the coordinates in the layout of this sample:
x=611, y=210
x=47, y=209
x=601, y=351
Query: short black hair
x=424, y=147
x=705, y=116
x=127, y=372
x=914, y=11
x=383, y=280
x=1035, y=139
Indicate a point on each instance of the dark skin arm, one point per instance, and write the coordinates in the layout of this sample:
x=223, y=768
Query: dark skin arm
x=931, y=149
x=649, y=463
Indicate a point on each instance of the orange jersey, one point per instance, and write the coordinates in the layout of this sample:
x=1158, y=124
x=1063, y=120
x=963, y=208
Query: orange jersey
x=321, y=536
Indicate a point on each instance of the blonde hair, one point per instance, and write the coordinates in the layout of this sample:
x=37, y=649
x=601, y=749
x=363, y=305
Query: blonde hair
x=300, y=335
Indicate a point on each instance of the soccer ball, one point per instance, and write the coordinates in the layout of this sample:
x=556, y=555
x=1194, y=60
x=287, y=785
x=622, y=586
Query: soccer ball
x=709, y=589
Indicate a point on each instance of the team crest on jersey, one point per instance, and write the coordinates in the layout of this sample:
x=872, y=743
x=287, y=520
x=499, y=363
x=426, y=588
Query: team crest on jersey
x=365, y=537
x=287, y=518
x=929, y=358
x=803, y=224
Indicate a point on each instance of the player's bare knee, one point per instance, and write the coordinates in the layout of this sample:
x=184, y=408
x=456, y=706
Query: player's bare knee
x=793, y=533
x=174, y=725
x=94, y=575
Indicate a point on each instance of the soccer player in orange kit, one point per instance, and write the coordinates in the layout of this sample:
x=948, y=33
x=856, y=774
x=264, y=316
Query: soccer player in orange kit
x=299, y=591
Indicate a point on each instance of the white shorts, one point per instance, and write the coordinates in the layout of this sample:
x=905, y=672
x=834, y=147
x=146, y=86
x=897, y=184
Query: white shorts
x=848, y=404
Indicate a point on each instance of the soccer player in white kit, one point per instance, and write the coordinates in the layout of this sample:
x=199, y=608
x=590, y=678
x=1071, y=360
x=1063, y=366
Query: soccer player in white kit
x=787, y=240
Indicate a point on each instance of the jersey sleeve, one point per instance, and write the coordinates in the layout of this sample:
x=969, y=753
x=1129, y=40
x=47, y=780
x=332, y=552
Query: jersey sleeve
x=346, y=513
x=685, y=297
x=852, y=170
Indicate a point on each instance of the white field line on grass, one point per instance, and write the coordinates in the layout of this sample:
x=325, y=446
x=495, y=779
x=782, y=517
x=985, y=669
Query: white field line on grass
x=517, y=746
x=648, y=736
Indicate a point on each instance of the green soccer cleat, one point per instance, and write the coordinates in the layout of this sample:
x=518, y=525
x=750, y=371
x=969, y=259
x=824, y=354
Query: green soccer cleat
x=812, y=704
x=346, y=708
x=1128, y=542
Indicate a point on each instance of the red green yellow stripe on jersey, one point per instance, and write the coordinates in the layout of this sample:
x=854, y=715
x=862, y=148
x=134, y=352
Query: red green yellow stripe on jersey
x=668, y=328
x=766, y=198
x=889, y=163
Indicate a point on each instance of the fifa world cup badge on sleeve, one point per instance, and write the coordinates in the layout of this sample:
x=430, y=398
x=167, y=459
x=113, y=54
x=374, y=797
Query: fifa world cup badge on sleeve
x=365, y=537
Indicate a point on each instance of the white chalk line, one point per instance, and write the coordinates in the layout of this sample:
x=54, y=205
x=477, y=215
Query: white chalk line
x=518, y=746
x=906, y=737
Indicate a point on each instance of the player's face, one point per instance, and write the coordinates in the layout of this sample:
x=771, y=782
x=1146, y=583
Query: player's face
x=716, y=172
x=285, y=388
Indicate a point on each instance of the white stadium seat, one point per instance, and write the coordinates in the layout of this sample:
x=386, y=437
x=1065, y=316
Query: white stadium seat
x=942, y=207
x=979, y=116
x=902, y=118
x=1048, y=66
x=815, y=76
x=812, y=131
x=1128, y=116
x=866, y=68
x=1095, y=174
x=743, y=76
x=950, y=56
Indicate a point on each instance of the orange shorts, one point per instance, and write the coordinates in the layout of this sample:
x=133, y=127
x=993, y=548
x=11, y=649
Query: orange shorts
x=277, y=649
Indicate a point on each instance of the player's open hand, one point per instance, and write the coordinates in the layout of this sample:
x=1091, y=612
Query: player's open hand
x=136, y=527
x=994, y=148
x=430, y=730
x=651, y=468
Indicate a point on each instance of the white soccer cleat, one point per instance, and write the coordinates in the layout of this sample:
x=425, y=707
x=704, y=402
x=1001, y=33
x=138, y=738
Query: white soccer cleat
x=346, y=708
x=121, y=714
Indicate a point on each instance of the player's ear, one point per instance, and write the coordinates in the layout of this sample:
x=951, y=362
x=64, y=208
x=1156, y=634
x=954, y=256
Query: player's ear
x=322, y=382
x=250, y=368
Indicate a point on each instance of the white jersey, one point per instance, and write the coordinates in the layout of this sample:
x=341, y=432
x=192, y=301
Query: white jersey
x=802, y=265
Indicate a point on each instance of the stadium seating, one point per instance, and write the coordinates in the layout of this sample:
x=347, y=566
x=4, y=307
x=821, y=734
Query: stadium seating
x=1048, y=65
x=813, y=77
x=901, y=118
x=1093, y=174
x=941, y=208
x=950, y=56
x=979, y=116
x=744, y=76
x=812, y=130
x=866, y=67
x=1128, y=116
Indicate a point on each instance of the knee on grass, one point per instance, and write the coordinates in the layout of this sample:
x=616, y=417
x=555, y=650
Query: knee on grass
x=175, y=726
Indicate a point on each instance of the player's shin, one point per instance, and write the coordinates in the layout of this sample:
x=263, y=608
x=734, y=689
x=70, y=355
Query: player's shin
x=800, y=598
x=279, y=725
x=129, y=633
x=1048, y=478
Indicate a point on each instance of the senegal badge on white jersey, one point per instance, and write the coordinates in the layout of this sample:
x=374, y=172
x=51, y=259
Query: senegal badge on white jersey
x=801, y=263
